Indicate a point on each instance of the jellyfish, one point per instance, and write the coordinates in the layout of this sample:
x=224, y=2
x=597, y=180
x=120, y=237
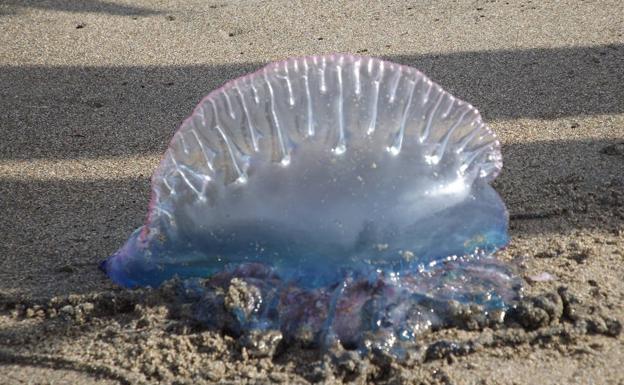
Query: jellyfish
x=348, y=196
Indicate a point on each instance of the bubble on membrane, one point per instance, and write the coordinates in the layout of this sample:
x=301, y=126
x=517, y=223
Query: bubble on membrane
x=351, y=194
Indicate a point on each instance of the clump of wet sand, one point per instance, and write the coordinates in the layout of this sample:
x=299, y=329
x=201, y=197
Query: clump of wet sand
x=148, y=336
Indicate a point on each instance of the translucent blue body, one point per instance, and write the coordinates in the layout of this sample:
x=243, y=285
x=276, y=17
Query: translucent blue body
x=328, y=171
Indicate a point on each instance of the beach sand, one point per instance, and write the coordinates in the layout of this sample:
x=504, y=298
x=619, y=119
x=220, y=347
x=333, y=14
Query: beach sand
x=91, y=92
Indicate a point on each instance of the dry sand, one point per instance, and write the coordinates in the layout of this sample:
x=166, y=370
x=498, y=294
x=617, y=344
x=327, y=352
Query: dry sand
x=91, y=91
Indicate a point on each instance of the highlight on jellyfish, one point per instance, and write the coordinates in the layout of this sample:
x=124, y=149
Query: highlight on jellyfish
x=347, y=197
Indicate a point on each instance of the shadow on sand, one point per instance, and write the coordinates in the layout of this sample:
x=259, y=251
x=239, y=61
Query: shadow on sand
x=91, y=6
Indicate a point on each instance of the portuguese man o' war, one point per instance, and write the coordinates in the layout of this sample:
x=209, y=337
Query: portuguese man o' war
x=339, y=196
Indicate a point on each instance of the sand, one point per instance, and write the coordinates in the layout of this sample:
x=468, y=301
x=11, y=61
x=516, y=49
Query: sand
x=90, y=93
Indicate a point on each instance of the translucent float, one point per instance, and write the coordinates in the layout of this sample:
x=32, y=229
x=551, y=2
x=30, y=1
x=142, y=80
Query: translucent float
x=350, y=194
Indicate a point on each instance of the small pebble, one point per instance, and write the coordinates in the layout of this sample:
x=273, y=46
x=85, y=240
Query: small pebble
x=68, y=310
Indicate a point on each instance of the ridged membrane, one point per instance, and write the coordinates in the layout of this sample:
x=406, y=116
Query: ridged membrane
x=327, y=170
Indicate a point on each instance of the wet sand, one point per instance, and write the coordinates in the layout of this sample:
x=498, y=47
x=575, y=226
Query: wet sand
x=90, y=94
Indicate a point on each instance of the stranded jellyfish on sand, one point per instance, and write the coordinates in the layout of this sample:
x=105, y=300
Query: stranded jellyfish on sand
x=345, y=197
